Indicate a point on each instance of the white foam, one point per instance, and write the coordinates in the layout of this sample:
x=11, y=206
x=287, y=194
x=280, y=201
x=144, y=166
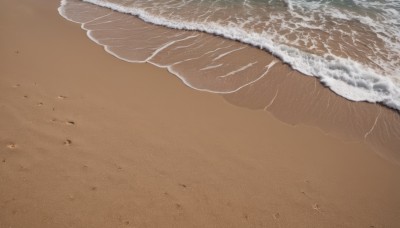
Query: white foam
x=289, y=4
x=344, y=76
x=237, y=70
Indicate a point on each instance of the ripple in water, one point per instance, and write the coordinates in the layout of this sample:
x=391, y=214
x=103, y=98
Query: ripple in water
x=337, y=44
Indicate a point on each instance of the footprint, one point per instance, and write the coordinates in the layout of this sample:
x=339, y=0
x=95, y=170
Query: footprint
x=316, y=207
x=62, y=97
x=183, y=185
x=67, y=142
x=277, y=216
x=12, y=145
x=70, y=122
x=306, y=188
x=305, y=194
x=118, y=166
x=178, y=206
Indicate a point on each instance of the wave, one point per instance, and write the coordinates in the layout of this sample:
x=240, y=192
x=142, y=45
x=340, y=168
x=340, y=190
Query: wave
x=346, y=77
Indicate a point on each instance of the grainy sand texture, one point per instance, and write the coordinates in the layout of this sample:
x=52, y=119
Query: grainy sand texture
x=88, y=140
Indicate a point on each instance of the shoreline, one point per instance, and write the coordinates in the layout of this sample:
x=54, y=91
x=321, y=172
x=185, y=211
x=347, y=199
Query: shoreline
x=88, y=140
x=272, y=86
x=339, y=87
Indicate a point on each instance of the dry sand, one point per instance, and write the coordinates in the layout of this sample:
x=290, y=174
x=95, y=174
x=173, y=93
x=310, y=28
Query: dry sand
x=87, y=140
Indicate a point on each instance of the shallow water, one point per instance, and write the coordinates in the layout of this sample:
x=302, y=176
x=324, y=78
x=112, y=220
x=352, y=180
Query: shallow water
x=358, y=66
x=353, y=47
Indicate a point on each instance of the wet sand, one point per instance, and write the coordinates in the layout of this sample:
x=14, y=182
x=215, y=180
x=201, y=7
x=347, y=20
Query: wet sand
x=87, y=140
x=244, y=75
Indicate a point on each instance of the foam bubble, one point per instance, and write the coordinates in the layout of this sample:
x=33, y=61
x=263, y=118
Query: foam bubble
x=343, y=75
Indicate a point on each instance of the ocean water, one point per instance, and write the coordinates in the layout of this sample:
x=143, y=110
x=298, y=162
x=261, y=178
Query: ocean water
x=351, y=46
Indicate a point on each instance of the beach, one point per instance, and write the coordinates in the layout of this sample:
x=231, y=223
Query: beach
x=88, y=140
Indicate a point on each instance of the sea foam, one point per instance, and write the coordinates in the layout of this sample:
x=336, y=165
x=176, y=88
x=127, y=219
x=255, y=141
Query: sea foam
x=345, y=76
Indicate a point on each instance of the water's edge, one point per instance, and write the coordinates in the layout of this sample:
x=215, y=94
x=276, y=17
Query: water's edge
x=373, y=89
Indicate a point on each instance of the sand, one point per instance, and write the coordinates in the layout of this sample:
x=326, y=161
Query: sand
x=87, y=140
